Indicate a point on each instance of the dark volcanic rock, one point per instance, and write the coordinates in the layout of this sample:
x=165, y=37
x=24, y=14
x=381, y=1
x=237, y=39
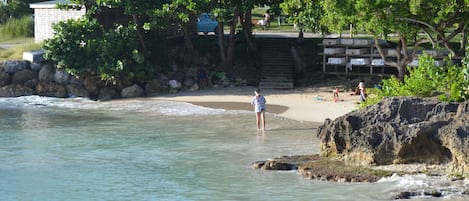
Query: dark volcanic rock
x=321, y=168
x=51, y=89
x=401, y=130
x=15, y=90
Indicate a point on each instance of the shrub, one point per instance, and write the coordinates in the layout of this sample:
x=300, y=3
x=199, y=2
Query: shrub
x=83, y=46
x=427, y=80
x=75, y=45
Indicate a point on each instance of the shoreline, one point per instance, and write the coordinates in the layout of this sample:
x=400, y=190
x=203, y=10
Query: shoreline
x=314, y=104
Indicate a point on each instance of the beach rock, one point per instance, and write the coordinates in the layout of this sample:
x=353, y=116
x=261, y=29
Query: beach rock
x=426, y=194
x=77, y=91
x=163, y=80
x=35, y=66
x=321, y=168
x=188, y=82
x=132, y=92
x=22, y=76
x=179, y=76
x=61, y=76
x=13, y=66
x=91, y=83
x=194, y=87
x=46, y=73
x=154, y=88
x=5, y=78
x=31, y=83
x=107, y=93
x=74, y=80
x=15, y=90
x=401, y=131
x=51, y=89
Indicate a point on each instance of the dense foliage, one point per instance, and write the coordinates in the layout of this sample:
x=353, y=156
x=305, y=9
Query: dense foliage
x=82, y=46
x=127, y=48
x=449, y=83
x=15, y=9
x=439, y=20
x=305, y=14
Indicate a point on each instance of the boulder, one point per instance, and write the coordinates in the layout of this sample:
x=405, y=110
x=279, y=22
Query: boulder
x=22, y=76
x=107, y=93
x=51, y=89
x=163, y=80
x=179, y=76
x=188, y=82
x=13, y=66
x=154, y=88
x=46, y=73
x=91, y=84
x=77, y=91
x=401, y=131
x=36, y=66
x=74, y=80
x=61, y=76
x=31, y=83
x=5, y=78
x=15, y=90
x=132, y=92
x=194, y=87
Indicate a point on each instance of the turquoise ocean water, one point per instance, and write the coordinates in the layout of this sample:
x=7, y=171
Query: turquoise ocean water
x=75, y=149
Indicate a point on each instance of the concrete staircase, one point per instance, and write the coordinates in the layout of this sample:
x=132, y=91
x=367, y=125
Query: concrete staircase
x=277, y=64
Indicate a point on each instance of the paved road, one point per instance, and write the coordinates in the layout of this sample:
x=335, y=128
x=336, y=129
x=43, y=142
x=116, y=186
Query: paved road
x=5, y=46
x=267, y=34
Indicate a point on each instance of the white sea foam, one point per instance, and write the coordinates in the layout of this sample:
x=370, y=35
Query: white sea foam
x=162, y=107
x=422, y=182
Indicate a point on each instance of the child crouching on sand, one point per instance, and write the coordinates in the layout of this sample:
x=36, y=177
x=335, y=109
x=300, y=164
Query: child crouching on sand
x=258, y=102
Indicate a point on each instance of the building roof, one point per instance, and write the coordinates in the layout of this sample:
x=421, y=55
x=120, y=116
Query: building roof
x=49, y=4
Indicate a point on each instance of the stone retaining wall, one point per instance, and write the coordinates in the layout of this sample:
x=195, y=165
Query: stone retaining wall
x=24, y=78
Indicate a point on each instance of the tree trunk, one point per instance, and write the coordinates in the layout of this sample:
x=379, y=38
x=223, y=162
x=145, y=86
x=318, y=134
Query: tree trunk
x=221, y=42
x=403, y=57
x=232, y=41
x=301, y=36
x=188, y=45
x=139, y=33
x=247, y=30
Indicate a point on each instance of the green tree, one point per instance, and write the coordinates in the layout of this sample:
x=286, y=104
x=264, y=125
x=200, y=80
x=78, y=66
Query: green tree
x=232, y=13
x=15, y=9
x=184, y=13
x=305, y=14
x=414, y=22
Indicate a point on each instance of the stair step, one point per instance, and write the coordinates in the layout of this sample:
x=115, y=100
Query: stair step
x=276, y=85
x=277, y=64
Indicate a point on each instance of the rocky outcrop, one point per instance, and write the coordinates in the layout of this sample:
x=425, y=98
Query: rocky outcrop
x=401, y=131
x=322, y=168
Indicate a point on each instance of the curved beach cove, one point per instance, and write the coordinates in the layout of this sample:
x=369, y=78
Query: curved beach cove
x=166, y=148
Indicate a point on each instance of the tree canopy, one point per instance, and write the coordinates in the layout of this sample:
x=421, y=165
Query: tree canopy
x=414, y=22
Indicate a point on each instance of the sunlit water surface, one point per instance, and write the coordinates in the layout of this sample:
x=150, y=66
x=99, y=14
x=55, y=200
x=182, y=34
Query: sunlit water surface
x=75, y=149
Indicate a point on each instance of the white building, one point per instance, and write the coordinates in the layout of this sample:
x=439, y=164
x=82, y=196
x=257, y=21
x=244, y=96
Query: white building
x=46, y=13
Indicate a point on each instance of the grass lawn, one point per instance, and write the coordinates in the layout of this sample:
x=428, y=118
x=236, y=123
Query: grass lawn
x=17, y=47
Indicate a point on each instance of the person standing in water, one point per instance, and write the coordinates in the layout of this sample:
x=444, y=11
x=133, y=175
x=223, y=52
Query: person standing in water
x=258, y=102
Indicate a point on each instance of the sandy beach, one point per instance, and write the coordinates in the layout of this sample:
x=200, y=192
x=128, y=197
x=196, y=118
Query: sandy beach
x=313, y=104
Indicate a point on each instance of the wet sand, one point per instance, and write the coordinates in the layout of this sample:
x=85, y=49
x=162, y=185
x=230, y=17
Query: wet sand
x=313, y=104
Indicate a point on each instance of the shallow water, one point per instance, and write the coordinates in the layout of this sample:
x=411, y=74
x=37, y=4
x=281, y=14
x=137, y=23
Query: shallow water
x=75, y=149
